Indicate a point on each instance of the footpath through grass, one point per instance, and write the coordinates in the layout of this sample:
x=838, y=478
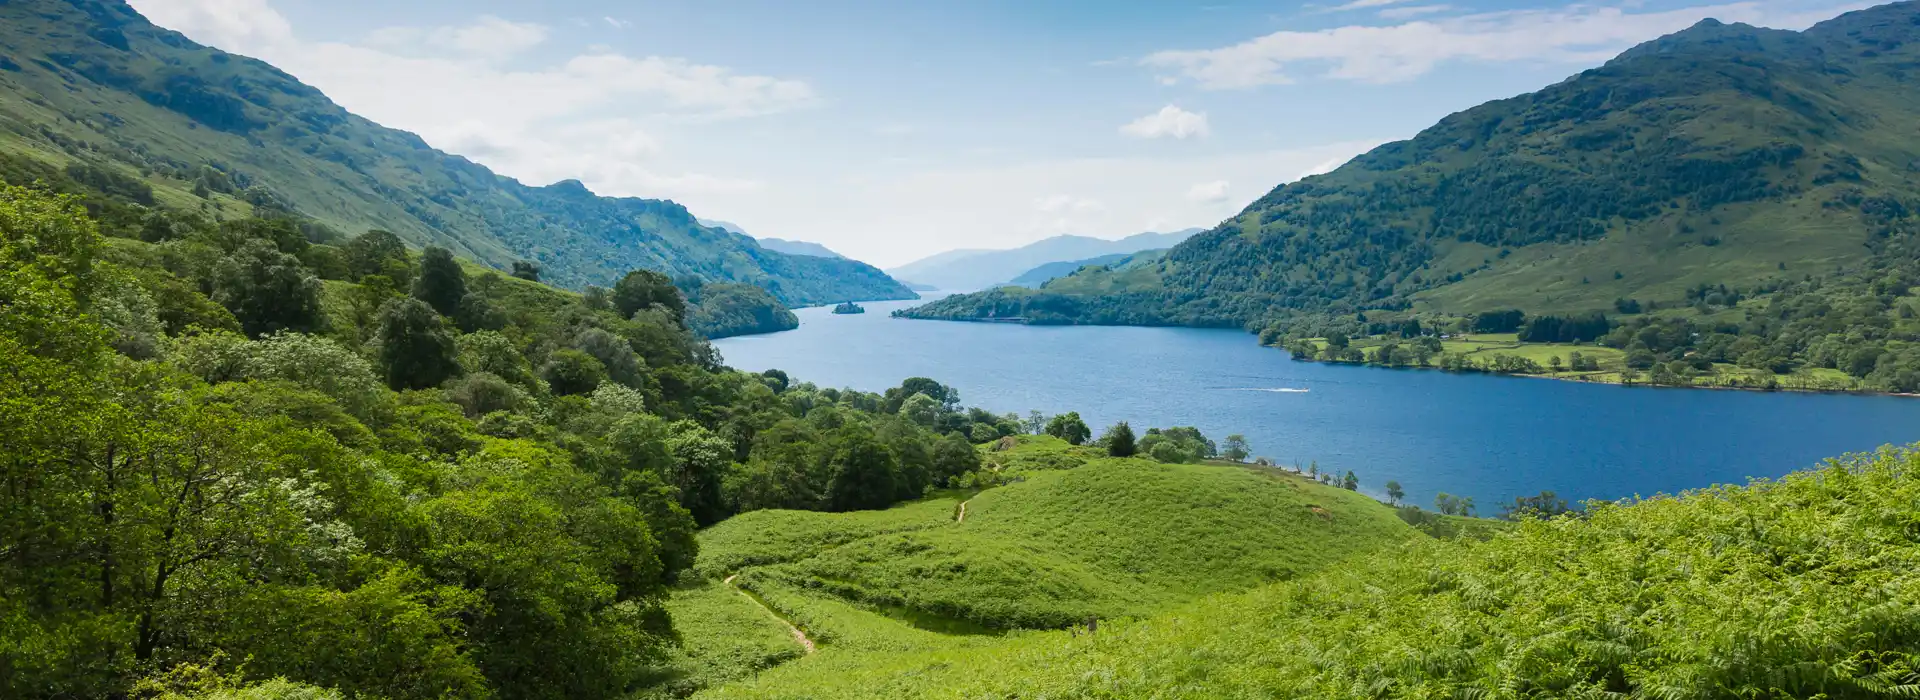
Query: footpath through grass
x=1075, y=536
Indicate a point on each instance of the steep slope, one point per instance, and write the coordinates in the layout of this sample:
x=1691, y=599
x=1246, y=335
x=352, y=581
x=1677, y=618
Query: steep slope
x=1722, y=154
x=976, y=270
x=92, y=84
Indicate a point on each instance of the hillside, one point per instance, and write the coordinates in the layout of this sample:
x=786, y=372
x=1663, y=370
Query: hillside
x=1803, y=589
x=1041, y=275
x=781, y=245
x=1074, y=535
x=967, y=269
x=92, y=88
x=1719, y=155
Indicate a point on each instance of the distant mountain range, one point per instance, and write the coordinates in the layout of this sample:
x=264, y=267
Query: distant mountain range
x=91, y=87
x=1723, y=156
x=979, y=269
x=778, y=245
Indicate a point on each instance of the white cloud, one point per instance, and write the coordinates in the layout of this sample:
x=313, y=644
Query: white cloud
x=1326, y=166
x=1363, y=4
x=1208, y=192
x=578, y=117
x=616, y=23
x=1383, y=54
x=1412, y=11
x=487, y=38
x=1169, y=122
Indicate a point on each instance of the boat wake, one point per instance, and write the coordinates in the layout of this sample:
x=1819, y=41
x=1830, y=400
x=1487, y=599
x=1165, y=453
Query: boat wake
x=1282, y=390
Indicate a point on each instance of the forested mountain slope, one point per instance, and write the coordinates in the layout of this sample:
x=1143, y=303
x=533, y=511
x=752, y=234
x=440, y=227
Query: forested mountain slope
x=92, y=87
x=1722, y=154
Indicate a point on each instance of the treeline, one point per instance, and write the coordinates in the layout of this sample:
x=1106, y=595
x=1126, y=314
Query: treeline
x=236, y=454
x=725, y=310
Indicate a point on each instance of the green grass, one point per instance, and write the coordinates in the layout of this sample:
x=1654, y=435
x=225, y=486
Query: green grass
x=725, y=638
x=1714, y=594
x=1077, y=535
x=775, y=536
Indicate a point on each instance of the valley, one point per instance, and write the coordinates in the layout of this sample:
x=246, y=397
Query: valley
x=296, y=406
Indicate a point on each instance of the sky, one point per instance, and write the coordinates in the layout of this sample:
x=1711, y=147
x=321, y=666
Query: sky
x=891, y=130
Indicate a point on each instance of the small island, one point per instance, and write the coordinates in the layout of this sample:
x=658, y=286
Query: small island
x=849, y=308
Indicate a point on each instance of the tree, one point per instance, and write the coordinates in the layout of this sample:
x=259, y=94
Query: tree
x=1119, y=440
x=642, y=289
x=1350, y=482
x=526, y=270
x=378, y=252
x=863, y=471
x=615, y=355
x=923, y=410
x=442, y=283
x=571, y=372
x=268, y=290
x=1236, y=448
x=1034, y=424
x=1069, y=427
x=416, y=351
x=1394, y=493
x=953, y=456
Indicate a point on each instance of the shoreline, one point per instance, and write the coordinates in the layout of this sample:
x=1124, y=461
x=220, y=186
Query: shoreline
x=1581, y=379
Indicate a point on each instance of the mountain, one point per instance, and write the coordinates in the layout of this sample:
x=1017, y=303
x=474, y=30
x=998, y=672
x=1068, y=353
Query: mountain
x=782, y=245
x=90, y=87
x=1042, y=274
x=1724, y=156
x=977, y=269
x=778, y=245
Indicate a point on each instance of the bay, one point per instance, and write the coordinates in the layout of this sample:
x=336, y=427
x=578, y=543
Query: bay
x=1487, y=437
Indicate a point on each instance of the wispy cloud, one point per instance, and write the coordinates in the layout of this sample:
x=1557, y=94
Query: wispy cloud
x=1384, y=54
x=1169, y=122
x=575, y=117
x=1412, y=11
x=1208, y=192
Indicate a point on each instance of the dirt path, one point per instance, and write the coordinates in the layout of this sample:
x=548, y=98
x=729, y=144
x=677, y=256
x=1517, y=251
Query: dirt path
x=798, y=635
x=962, y=517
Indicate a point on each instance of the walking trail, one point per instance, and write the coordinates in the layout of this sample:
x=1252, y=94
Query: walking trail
x=798, y=635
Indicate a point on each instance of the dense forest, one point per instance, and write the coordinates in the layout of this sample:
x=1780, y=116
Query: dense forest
x=1719, y=155
x=92, y=87
x=234, y=450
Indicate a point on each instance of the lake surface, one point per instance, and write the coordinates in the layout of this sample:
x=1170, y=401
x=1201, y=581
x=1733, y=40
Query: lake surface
x=1491, y=438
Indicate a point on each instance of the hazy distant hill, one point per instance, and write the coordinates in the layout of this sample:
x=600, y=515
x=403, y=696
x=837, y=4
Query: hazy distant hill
x=1719, y=155
x=1044, y=273
x=978, y=269
x=92, y=85
x=778, y=245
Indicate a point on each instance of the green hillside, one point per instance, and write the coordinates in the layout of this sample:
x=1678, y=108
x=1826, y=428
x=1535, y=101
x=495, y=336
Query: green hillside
x=1111, y=538
x=1801, y=588
x=1719, y=155
x=91, y=90
x=1074, y=535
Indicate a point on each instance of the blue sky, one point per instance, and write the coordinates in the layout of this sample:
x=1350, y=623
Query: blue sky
x=894, y=130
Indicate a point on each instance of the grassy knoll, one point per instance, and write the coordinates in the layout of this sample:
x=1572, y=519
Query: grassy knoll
x=1790, y=589
x=773, y=536
x=1116, y=537
x=1074, y=534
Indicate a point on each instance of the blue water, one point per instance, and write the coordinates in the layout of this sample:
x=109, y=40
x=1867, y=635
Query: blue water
x=1491, y=438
